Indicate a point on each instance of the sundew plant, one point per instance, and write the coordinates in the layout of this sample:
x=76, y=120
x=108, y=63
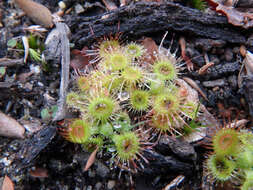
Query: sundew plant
x=126, y=100
x=232, y=157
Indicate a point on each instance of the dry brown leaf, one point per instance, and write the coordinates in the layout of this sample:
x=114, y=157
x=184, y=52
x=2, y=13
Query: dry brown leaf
x=184, y=56
x=91, y=160
x=234, y=16
x=39, y=172
x=195, y=86
x=38, y=13
x=80, y=60
x=7, y=184
x=151, y=50
x=110, y=5
x=9, y=127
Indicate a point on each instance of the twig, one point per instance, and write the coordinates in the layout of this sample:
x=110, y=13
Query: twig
x=65, y=61
x=5, y=62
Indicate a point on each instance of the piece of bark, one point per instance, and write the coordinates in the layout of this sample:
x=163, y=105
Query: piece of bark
x=5, y=62
x=147, y=17
x=180, y=148
x=245, y=3
x=9, y=127
x=32, y=147
x=159, y=164
x=248, y=92
x=65, y=64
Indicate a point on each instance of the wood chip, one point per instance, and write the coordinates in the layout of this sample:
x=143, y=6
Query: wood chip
x=38, y=13
x=39, y=172
x=65, y=63
x=9, y=127
x=7, y=184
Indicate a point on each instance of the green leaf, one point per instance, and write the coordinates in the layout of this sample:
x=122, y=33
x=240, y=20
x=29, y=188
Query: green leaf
x=12, y=43
x=54, y=109
x=34, y=55
x=45, y=115
x=2, y=71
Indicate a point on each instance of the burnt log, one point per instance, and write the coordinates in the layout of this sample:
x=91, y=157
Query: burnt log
x=143, y=18
x=33, y=146
x=160, y=164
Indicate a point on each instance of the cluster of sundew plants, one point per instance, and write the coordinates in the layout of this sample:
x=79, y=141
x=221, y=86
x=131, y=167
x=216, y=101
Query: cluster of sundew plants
x=232, y=157
x=123, y=98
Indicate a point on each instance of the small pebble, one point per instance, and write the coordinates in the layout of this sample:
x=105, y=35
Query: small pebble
x=233, y=81
x=228, y=54
x=111, y=184
x=214, y=83
x=62, y=5
x=79, y=9
x=98, y=186
x=91, y=173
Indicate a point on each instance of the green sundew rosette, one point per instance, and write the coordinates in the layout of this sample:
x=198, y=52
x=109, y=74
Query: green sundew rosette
x=108, y=46
x=79, y=131
x=226, y=142
x=157, y=87
x=92, y=143
x=106, y=130
x=118, y=61
x=83, y=83
x=134, y=50
x=139, y=100
x=165, y=70
x=220, y=167
x=246, y=138
x=132, y=75
x=166, y=104
x=245, y=159
x=72, y=99
x=112, y=82
x=190, y=109
x=127, y=145
x=248, y=183
x=101, y=108
x=160, y=123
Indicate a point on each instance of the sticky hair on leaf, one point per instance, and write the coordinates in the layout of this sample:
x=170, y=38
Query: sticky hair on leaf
x=127, y=145
x=108, y=46
x=165, y=70
x=248, y=183
x=220, y=167
x=134, y=50
x=112, y=82
x=92, y=143
x=83, y=83
x=190, y=109
x=245, y=159
x=117, y=61
x=165, y=104
x=226, y=142
x=78, y=131
x=161, y=123
x=72, y=99
x=106, y=130
x=246, y=137
x=139, y=100
x=101, y=108
x=156, y=87
x=132, y=75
